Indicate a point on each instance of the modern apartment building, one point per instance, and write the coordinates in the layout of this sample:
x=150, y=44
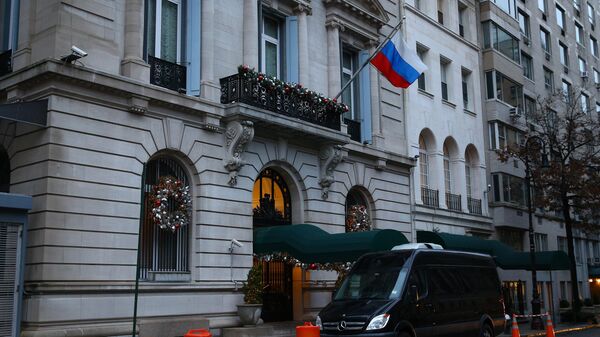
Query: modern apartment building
x=530, y=49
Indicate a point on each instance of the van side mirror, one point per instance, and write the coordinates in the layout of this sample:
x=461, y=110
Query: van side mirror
x=413, y=293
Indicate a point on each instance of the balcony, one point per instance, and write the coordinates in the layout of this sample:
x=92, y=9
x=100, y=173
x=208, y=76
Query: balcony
x=283, y=99
x=430, y=197
x=474, y=205
x=453, y=202
x=167, y=74
x=5, y=62
x=353, y=129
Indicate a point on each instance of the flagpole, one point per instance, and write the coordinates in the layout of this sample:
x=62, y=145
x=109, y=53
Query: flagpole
x=371, y=57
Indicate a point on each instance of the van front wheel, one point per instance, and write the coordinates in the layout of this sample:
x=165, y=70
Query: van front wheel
x=486, y=331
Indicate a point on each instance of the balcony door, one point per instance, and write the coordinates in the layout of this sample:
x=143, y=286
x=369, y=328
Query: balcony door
x=164, y=22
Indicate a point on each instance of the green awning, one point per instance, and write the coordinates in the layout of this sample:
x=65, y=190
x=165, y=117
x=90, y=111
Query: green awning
x=504, y=255
x=310, y=244
x=593, y=272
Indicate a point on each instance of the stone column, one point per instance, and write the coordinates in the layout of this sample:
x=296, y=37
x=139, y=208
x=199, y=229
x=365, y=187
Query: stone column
x=133, y=64
x=377, y=134
x=251, y=33
x=22, y=53
x=209, y=88
x=333, y=58
x=302, y=12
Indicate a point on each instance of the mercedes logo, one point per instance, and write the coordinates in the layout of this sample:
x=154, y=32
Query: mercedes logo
x=342, y=325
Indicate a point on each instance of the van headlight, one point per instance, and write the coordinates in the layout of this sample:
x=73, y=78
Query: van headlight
x=378, y=322
x=319, y=323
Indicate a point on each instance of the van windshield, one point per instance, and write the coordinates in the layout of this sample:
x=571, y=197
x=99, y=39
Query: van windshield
x=379, y=276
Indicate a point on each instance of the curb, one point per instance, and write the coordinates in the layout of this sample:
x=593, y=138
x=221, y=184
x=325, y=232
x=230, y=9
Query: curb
x=581, y=328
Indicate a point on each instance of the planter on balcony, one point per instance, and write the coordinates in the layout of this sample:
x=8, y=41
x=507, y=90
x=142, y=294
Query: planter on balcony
x=256, y=89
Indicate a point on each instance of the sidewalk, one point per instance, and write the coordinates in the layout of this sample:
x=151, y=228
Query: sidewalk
x=525, y=329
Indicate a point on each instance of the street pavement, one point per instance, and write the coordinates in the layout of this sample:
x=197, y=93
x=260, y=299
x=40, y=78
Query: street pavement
x=595, y=332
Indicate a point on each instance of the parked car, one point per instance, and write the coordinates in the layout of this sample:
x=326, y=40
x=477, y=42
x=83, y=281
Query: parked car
x=417, y=293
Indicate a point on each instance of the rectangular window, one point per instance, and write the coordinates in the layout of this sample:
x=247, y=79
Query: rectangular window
x=444, y=65
x=560, y=17
x=566, y=88
x=591, y=16
x=542, y=5
x=350, y=94
x=527, y=63
x=9, y=17
x=582, y=66
x=564, y=54
x=594, y=46
x=524, y=24
x=493, y=141
x=508, y=90
x=530, y=106
x=466, y=87
x=548, y=79
x=421, y=82
x=496, y=180
x=499, y=39
x=597, y=110
x=164, y=30
x=489, y=80
x=541, y=242
x=508, y=6
x=577, y=5
x=561, y=243
x=462, y=18
x=596, y=76
x=579, y=33
x=440, y=11
x=545, y=40
x=585, y=103
x=271, y=46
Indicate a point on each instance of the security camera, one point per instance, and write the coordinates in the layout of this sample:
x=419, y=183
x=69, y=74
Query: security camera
x=236, y=243
x=416, y=156
x=78, y=51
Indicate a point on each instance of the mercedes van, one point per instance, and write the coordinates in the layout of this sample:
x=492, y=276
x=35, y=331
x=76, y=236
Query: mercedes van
x=417, y=293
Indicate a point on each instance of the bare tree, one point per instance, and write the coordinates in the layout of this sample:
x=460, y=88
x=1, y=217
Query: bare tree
x=562, y=150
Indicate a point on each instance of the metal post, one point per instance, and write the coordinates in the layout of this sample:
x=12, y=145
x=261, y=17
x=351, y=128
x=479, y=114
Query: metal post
x=536, y=321
x=139, y=254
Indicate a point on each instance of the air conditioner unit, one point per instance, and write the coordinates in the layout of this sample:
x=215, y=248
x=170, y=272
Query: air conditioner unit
x=584, y=74
x=514, y=112
x=526, y=40
x=548, y=56
x=598, y=86
x=566, y=69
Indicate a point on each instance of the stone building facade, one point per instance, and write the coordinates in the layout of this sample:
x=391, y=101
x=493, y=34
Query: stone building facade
x=126, y=106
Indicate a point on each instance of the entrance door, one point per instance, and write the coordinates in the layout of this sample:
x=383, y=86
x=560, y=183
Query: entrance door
x=9, y=270
x=277, y=280
x=272, y=207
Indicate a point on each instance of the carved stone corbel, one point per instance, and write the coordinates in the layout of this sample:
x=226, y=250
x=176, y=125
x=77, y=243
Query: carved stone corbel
x=329, y=157
x=238, y=135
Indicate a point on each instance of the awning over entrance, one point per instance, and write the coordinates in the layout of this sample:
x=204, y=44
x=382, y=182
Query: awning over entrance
x=310, y=244
x=505, y=256
x=34, y=112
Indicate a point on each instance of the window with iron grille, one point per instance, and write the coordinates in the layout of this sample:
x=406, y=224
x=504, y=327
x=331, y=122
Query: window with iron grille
x=163, y=251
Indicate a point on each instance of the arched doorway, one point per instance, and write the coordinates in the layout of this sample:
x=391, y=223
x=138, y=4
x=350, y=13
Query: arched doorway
x=358, y=215
x=4, y=171
x=271, y=206
x=164, y=253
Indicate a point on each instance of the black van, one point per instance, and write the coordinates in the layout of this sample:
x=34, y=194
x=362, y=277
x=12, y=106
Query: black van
x=417, y=293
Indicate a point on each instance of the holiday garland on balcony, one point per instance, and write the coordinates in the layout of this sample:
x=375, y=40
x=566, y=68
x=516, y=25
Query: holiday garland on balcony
x=292, y=89
x=172, y=204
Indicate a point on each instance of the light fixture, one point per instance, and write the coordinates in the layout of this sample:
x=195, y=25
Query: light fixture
x=76, y=54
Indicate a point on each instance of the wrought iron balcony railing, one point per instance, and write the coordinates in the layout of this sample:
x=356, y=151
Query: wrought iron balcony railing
x=238, y=88
x=353, y=129
x=474, y=205
x=5, y=62
x=167, y=74
x=430, y=197
x=453, y=202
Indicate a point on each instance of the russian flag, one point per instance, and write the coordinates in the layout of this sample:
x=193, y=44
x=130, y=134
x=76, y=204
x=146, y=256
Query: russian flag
x=399, y=64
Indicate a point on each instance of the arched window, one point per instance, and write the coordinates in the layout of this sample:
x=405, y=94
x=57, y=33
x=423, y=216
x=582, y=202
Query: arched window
x=162, y=250
x=358, y=217
x=271, y=204
x=4, y=171
x=468, y=163
x=423, y=162
x=447, y=171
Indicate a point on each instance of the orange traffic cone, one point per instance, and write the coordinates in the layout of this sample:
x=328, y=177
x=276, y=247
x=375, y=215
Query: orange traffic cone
x=549, y=327
x=515, y=327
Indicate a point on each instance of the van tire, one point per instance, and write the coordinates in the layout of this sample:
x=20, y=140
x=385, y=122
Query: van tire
x=486, y=330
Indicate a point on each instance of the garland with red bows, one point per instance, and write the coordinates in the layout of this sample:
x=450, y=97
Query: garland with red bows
x=172, y=204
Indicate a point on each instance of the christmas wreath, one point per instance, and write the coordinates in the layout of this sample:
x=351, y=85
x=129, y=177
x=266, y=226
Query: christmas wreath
x=172, y=204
